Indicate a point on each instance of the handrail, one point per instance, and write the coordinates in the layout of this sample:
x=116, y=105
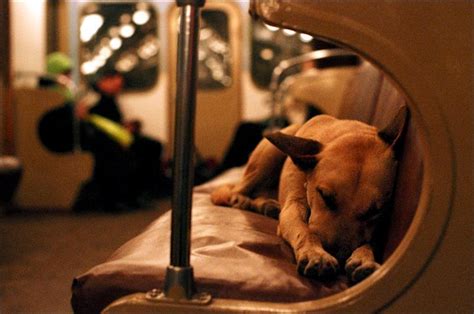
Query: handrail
x=287, y=64
x=179, y=281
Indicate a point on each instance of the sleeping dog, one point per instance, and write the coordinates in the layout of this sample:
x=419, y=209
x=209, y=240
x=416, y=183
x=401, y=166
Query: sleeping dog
x=334, y=180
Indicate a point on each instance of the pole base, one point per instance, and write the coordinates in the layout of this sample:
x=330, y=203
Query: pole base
x=179, y=283
x=157, y=295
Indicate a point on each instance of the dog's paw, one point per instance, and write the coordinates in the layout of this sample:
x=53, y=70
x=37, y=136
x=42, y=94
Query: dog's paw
x=268, y=207
x=240, y=201
x=316, y=263
x=271, y=208
x=357, y=269
x=221, y=196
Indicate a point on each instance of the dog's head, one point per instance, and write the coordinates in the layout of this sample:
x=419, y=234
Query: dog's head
x=349, y=182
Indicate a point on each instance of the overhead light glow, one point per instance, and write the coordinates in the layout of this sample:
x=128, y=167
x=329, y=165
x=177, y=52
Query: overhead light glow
x=267, y=54
x=202, y=54
x=141, y=17
x=114, y=31
x=205, y=33
x=149, y=48
x=90, y=24
x=125, y=18
x=288, y=32
x=271, y=28
x=127, y=62
x=306, y=38
x=88, y=68
x=99, y=61
x=127, y=30
x=105, y=52
x=115, y=43
x=91, y=66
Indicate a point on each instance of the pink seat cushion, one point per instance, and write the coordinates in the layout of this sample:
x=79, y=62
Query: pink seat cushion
x=235, y=254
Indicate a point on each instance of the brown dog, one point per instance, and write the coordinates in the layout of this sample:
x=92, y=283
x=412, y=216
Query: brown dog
x=332, y=189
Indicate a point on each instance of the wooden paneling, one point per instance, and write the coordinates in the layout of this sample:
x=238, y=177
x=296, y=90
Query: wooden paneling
x=50, y=180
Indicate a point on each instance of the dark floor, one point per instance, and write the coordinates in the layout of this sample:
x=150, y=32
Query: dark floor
x=42, y=252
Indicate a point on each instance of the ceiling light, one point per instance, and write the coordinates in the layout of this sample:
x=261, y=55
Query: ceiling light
x=271, y=28
x=306, y=38
x=115, y=43
x=288, y=32
x=127, y=30
x=90, y=24
x=141, y=17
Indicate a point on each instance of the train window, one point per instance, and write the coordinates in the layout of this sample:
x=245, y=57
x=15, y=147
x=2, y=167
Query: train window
x=121, y=37
x=215, y=58
x=270, y=45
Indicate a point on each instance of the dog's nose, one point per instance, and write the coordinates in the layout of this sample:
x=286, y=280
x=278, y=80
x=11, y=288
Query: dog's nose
x=338, y=244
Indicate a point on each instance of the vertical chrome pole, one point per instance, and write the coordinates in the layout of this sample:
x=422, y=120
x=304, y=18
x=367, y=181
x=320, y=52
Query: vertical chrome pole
x=73, y=9
x=179, y=281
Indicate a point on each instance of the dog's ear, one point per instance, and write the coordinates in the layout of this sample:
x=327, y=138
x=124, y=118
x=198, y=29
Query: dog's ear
x=302, y=151
x=392, y=133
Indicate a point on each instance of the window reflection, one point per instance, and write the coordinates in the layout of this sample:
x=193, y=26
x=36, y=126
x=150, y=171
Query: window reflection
x=270, y=45
x=122, y=37
x=215, y=57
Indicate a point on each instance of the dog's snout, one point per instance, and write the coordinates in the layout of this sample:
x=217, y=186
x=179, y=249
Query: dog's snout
x=340, y=250
x=332, y=244
x=339, y=239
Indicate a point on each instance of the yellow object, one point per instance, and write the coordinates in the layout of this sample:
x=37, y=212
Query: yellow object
x=114, y=130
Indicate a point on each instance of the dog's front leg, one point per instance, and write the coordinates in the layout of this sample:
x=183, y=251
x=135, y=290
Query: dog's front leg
x=361, y=263
x=312, y=260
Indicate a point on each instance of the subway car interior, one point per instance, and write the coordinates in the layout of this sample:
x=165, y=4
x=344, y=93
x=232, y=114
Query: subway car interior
x=236, y=156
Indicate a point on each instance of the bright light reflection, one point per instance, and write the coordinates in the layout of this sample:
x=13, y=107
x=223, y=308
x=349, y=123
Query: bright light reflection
x=127, y=30
x=141, y=17
x=306, y=38
x=115, y=43
x=267, y=54
x=271, y=28
x=98, y=61
x=289, y=32
x=88, y=68
x=105, y=52
x=205, y=33
x=126, y=63
x=89, y=26
x=114, y=31
x=148, y=49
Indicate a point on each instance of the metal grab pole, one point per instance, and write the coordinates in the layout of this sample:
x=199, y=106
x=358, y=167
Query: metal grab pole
x=179, y=281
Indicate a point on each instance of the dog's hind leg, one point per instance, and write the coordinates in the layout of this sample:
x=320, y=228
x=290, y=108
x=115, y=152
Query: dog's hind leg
x=261, y=174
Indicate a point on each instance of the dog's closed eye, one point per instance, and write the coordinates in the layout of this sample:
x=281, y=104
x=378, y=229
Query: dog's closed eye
x=372, y=213
x=328, y=197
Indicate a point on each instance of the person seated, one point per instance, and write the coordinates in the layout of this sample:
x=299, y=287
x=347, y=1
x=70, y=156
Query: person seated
x=127, y=164
x=58, y=76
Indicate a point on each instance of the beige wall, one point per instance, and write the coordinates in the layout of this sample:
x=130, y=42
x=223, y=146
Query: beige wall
x=28, y=35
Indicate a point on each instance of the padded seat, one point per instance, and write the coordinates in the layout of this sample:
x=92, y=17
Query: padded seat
x=361, y=96
x=235, y=254
x=410, y=154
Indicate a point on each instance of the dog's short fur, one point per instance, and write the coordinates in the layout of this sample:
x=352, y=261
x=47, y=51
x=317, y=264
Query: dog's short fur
x=332, y=190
